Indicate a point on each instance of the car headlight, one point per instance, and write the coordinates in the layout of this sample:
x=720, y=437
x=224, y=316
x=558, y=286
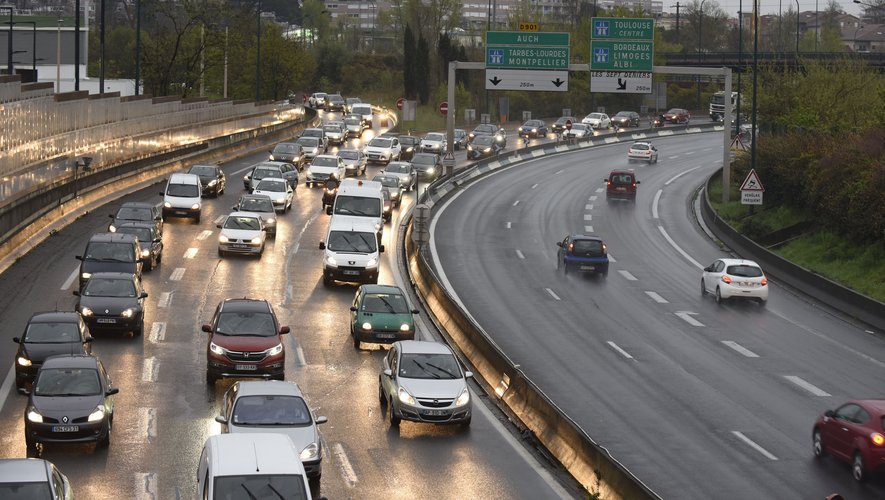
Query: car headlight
x=311, y=452
x=487, y=150
x=222, y=238
x=273, y=351
x=195, y=206
x=128, y=313
x=112, y=228
x=85, y=276
x=85, y=311
x=34, y=415
x=464, y=398
x=430, y=170
x=271, y=157
x=217, y=349
x=404, y=327
x=280, y=199
x=215, y=181
x=394, y=195
x=145, y=253
x=469, y=148
x=23, y=361
x=366, y=326
x=405, y=397
x=271, y=221
x=534, y=131
x=409, y=149
x=256, y=240
x=373, y=262
x=97, y=414
x=167, y=205
x=247, y=177
x=330, y=261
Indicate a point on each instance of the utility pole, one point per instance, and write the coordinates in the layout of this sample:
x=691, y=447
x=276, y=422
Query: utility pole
x=77, y=46
x=677, y=20
x=101, y=50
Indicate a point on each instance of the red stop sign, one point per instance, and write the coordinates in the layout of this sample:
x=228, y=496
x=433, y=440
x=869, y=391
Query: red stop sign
x=444, y=108
x=568, y=124
x=399, y=103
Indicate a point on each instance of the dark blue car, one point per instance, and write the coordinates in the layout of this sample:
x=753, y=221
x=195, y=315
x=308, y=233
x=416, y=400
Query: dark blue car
x=582, y=253
x=533, y=128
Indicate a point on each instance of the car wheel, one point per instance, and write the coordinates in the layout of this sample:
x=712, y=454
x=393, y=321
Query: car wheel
x=381, y=399
x=31, y=449
x=391, y=415
x=466, y=423
x=719, y=298
x=220, y=252
x=327, y=281
x=197, y=219
x=138, y=330
x=703, y=288
x=857, y=468
x=150, y=265
x=210, y=379
x=817, y=443
x=105, y=441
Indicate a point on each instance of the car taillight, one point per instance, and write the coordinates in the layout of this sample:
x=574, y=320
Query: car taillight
x=877, y=439
x=634, y=185
x=726, y=279
x=604, y=248
x=764, y=281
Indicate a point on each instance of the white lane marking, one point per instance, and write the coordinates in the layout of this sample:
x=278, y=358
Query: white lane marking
x=552, y=294
x=220, y=219
x=627, y=275
x=507, y=225
x=7, y=385
x=299, y=356
x=611, y=259
x=147, y=422
x=678, y=248
x=190, y=253
x=672, y=157
x=619, y=350
x=557, y=172
x=534, y=186
x=588, y=207
x=164, y=299
x=588, y=229
x=808, y=386
x=158, y=332
x=177, y=274
x=205, y=234
x=680, y=174
x=689, y=153
x=344, y=464
x=520, y=255
x=516, y=203
x=293, y=249
x=740, y=349
x=588, y=216
x=707, y=149
x=740, y=435
x=654, y=204
x=145, y=486
x=598, y=190
x=593, y=198
x=686, y=315
x=657, y=298
x=149, y=370
x=70, y=281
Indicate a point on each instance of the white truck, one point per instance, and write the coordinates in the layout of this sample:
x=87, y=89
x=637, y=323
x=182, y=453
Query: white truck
x=717, y=105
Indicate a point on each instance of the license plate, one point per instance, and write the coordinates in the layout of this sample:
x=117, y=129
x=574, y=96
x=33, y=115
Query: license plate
x=239, y=245
x=620, y=189
x=435, y=413
x=351, y=273
x=588, y=268
x=385, y=335
x=106, y=320
x=65, y=428
x=246, y=368
x=181, y=212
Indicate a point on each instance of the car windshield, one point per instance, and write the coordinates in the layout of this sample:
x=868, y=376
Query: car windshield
x=621, y=179
x=674, y=111
x=408, y=140
x=485, y=129
x=387, y=181
x=594, y=116
x=15, y=489
x=272, y=186
x=397, y=168
x=586, y=247
x=434, y=137
x=203, y=170
x=348, y=155
x=260, y=487
x=144, y=234
x=564, y=119
x=366, y=110
x=313, y=132
x=110, y=252
x=270, y=410
x=352, y=242
x=639, y=147
x=429, y=366
x=325, y=161
x=622, y=114
x=381, y=142
x=353, y=100
x=183, y=190
x=244, y=223
x=308, y=142
x=332, y=128
x=128, y=213
x=256, y=205
x=484, y=140
x=357, y=205
x=385, y=303
x=335, y=98
x=352, y=120
x=286, y=148
x=460, y=132
x=579, y=126
x=109, y=287
x=261, y=173
x=67, y=382
x=50, y=333
x=253, y=323
x=744, y=271
x=424, y=159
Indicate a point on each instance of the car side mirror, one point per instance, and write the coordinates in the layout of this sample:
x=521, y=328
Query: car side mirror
x=638, y=182
x=415, y=311
x=78, y=257
x=143, y=295
x=468, y=374
x=76, y=293
x=353, y=308
x=111, y=216
x=220, y=419
x=162, y=193
x=234, y=208
x=89, y=340
x=381, y=173
x=708, y=269
x=18, y=341
x=284, y=330
x=207, y=328
x=158, y=240
x=111, y=391
x=830, y=414
x=322, y=246
x=381, y=248
x=321, y=420
x=559, y=244
x=388, y=373
x=218, y=226
x=328, y=210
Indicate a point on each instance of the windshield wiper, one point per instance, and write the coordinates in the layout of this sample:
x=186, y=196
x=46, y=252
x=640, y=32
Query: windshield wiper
x=108, y=259
x=64, y=394
x=425, y=370
x=248, y=492
x=389, y=306
x=442, y=370
x=275, y=491
x=352, y=246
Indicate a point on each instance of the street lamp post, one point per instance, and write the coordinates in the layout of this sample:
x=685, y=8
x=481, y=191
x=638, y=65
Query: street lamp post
x=58, y=55
x=77, y=45
x=700, y=23
x=33, y=42
x=258, y=58
x=9, y=69
x=737, y=119
x=101, y=51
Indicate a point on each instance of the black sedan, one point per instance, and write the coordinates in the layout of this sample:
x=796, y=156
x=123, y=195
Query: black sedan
x=135, y=211
x=409, y=145
x=211, y=177
x=489, y=129
x=288, y=152
x=533, y=128
x=71, y=402
x=559, y=125
x=49, y=334
x=626, y=119
x=483, y=146
x=150, y=241
x=113, y=301
x=427, y=165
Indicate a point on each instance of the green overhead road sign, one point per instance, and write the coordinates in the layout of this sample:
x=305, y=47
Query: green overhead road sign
x=621, y=55
x=623, y=28
x=527, y=50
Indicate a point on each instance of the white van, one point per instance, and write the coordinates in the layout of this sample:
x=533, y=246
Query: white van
x=352, y=250
x=364, y=110
x=183, y=197
x=260, y=465
x=359, y=198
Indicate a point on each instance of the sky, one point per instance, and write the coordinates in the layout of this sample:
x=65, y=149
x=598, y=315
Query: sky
x=731, y=7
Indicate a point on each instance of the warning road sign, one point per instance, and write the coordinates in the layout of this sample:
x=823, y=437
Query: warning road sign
x=752, y=182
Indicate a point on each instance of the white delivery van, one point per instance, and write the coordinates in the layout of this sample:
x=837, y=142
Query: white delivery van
x=352, y=250
x=364, y=110
x=183, y=197
x=260, y=465
x=359, y=198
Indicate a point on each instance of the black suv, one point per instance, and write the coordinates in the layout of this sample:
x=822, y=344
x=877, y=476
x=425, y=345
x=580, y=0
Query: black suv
x=110, y=252
x=558, y=126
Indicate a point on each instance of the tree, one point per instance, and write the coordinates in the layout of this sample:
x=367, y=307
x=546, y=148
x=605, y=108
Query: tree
x=410, y=84
x=422, y=70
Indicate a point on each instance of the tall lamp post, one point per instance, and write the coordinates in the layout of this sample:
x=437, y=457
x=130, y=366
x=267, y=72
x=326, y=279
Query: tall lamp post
x=58, y=55
x=77, y=45
x=737, y=118
x=101, y=52
x=258, y=58
x=700, y=23
x=9, y=68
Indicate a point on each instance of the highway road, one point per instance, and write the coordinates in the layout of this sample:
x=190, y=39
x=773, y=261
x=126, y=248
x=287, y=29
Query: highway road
x=164, y=411
x=698, y=400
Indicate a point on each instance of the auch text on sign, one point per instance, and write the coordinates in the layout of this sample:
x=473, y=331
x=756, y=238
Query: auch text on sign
x=526, y=50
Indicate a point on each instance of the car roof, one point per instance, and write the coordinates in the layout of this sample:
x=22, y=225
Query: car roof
x=112, y=275
x=739, y=262
x=23, y=470
x=55, y=317
x=326, y=156
x=244, y=214
x=245, y=305
x=138, y=204
x=391, y=289
x=253, y=453
x=641, y=142
x=70, y=361
x=580, y=236
x=181, y=178
x=268, y=388
x=621, y=171
x=423, y=347
x=112, y=238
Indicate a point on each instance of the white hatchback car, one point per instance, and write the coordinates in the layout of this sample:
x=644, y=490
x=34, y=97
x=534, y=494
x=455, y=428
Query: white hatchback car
x=579, y=131
x=735, y=278
x=643, y=151
x=597, y=120
x=280, y=192
x=434, y=142
x=241, y=232
x=424, y=382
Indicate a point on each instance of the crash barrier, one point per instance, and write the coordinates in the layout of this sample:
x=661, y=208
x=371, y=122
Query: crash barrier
x=588, y=462
x=842, y=298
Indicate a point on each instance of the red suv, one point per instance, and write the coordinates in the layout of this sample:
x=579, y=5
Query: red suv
x=853, y=433
x=621, y=185
x=244, y=341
